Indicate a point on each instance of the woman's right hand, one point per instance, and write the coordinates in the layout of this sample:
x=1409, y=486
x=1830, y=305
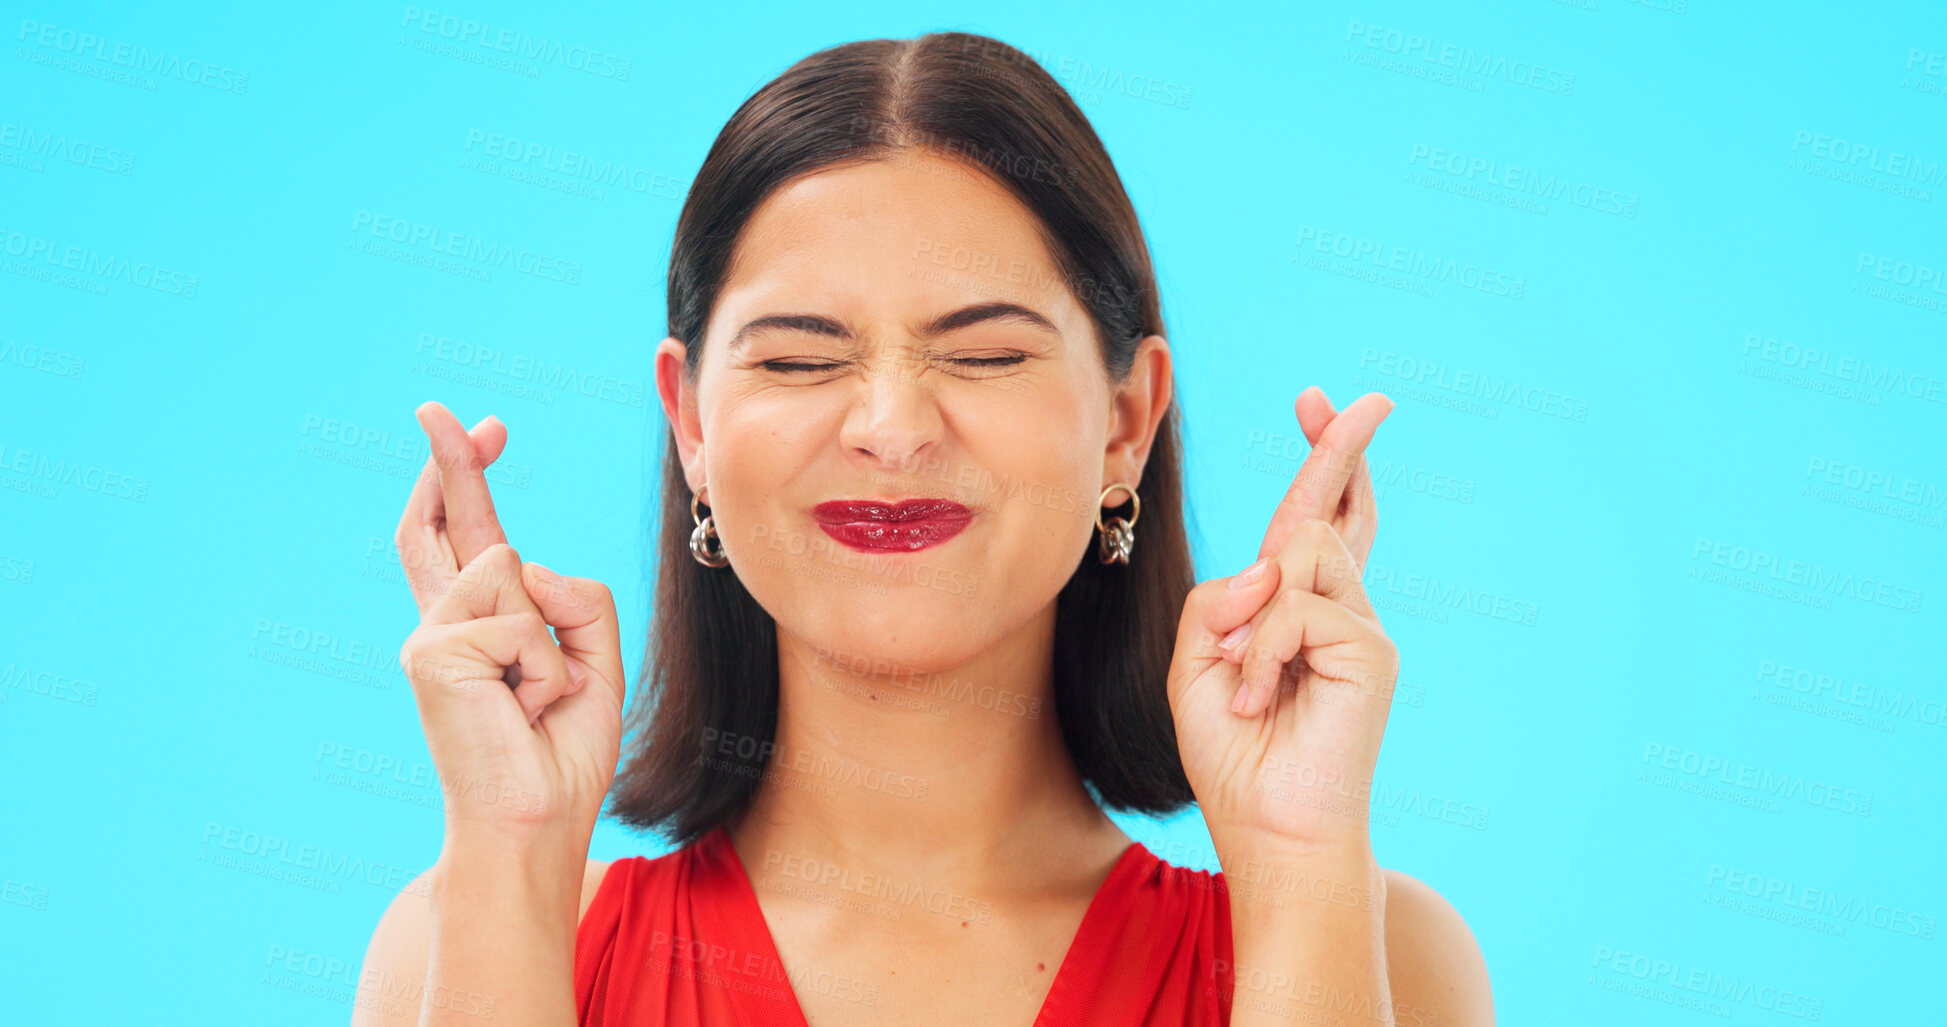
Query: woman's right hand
x=524, y=729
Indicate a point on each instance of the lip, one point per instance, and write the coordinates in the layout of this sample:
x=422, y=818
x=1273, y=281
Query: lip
x=901, y=526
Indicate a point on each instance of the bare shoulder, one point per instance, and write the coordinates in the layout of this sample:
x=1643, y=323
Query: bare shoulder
x=1433, y=963
x=394, y=974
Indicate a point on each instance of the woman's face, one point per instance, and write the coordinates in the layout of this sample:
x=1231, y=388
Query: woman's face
x=894, y=331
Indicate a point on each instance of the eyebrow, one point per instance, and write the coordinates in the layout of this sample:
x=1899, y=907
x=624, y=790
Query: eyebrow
x=952, y=321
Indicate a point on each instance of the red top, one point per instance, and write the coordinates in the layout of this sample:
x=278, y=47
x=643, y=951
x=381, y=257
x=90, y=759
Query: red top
x=679, y=940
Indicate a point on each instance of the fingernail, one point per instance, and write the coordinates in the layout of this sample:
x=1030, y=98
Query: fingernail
x=1236, y=637
x=1251, y=574
x=577, y=675
x=1237, y=701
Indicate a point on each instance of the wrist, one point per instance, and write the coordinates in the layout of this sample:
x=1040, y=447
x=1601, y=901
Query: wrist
x=1277, y=889
x=555, y=837
x=1254, y=844
x=501, y=944
x=514, y=871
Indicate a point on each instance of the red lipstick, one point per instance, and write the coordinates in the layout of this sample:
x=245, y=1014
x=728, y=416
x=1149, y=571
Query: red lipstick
x=903, y=527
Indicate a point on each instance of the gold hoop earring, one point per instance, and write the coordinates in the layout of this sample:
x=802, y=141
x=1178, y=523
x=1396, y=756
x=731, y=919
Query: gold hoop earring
x=705, y=547
x=1119, y=534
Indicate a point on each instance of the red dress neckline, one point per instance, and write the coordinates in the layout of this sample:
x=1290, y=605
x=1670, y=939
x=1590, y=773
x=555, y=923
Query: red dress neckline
x=749, y=933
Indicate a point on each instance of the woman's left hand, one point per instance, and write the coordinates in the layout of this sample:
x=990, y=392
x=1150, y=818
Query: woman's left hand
x=1279, y=731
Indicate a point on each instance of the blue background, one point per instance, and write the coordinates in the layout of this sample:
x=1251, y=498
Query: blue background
x=1545, y=776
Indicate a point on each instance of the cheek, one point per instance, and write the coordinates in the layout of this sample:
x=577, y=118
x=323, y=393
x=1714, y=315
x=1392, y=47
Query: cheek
x=1042, y=446
x=751, y=461
x=1042, y=493
x=756, y=423
x=1043, y=439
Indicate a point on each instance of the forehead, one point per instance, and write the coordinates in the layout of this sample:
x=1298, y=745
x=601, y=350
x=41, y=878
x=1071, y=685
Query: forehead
x=906, y=233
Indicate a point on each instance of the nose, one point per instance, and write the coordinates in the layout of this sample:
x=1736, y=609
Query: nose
x=894, y=422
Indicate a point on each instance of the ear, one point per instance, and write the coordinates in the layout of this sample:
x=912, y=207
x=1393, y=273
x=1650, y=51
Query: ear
x=1135, y=410
x=678, y=395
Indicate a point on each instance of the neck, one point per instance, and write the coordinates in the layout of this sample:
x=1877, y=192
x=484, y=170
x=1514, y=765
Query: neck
x=951, y=773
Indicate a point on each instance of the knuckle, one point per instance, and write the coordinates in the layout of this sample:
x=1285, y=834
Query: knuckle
x=406, y=543
x=602, y=600
x=1340, y=564
x=493, y=566
x=445, y=604
x=419, y=656
x=1315, y=531
x=1203, y=596
x=1384, y=649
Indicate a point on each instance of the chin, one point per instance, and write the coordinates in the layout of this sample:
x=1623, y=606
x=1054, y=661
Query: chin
x=907, y=629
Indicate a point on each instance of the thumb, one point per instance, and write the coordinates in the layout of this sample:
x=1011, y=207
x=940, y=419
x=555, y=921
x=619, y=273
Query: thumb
x=582, y=613
x=1216, y=609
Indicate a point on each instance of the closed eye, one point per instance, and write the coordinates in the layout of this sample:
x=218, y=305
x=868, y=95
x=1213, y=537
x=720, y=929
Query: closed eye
x=800, y=367
x=788, y=366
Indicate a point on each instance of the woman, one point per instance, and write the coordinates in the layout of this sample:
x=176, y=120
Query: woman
x=924, y=598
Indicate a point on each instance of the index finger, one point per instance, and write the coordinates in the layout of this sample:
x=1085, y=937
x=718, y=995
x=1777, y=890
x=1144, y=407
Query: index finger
x=471, y=522
x=1357, y=520
x=1320, y=483
x=425, y=552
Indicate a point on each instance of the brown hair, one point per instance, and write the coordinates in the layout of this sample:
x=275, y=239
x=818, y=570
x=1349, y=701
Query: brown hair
x=710, y=671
